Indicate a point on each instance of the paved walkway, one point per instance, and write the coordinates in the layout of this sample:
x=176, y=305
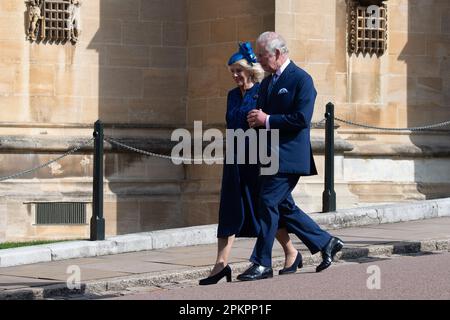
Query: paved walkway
x=423, y=276
x=122, y=271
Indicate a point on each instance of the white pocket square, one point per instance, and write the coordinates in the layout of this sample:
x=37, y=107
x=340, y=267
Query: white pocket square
x=282, y=90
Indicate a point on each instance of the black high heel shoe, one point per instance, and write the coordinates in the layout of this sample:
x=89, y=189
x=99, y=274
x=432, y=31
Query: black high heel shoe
x=298, y=263
x=225, y=272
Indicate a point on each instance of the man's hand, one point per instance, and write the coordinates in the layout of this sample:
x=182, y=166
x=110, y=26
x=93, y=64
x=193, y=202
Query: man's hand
x=256, y=118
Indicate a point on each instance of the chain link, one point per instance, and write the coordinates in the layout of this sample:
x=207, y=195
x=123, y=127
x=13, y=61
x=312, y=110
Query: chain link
x=48, y=163
x=423, y=128
x=321, y=121
x=152, y=154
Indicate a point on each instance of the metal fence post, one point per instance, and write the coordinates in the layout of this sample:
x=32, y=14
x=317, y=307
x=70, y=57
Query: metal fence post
x=329, y=195
x=97, y=220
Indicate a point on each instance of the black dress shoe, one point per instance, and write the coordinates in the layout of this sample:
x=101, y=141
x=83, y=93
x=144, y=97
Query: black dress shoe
x=225, y=272
x=298, y=263
x=256, y=272
x=334, y=246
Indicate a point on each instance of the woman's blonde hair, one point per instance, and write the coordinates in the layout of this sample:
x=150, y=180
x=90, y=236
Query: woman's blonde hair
x=255, y=70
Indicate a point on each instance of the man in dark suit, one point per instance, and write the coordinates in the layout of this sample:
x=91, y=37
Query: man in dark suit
x=286, y=103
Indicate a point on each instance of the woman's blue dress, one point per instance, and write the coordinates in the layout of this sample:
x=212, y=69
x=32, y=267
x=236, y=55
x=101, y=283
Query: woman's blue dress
x=238, y=197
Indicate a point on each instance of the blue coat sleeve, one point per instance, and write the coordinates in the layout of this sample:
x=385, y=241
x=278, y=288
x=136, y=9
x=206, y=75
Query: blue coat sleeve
x=303, y=107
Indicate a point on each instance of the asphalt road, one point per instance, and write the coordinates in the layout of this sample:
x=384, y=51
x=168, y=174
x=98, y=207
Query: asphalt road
x=424, y=276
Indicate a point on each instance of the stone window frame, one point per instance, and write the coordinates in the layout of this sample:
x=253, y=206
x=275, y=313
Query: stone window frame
x=53, y=21
x=363, y=39
x=56, y=17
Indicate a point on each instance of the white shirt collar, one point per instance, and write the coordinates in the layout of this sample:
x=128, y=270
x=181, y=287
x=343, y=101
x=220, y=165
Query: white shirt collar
x=283, y=67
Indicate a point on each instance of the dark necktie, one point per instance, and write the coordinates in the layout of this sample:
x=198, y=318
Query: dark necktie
x=272, y=83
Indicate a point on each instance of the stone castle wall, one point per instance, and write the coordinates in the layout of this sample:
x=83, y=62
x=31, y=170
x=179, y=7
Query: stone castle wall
x=127, y=69
x=146, y=67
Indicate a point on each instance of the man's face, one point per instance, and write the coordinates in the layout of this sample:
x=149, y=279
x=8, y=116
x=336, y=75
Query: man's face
x=267, y=60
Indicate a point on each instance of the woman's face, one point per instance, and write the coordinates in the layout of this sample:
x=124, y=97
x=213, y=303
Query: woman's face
x=240, y=75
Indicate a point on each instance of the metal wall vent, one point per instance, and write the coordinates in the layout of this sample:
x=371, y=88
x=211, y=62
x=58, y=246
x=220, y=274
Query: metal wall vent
x=61, y=213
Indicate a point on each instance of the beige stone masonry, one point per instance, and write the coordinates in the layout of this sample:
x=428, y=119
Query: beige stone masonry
x=147, y=67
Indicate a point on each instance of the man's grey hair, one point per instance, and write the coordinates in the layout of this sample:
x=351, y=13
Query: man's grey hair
x=271, y=41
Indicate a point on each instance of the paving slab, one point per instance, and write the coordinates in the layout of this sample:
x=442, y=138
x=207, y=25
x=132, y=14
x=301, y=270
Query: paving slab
x=15, y=282
x=131, y=266
x=59, y=272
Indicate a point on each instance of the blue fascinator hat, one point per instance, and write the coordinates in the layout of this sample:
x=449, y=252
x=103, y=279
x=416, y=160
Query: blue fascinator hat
x=245, y=52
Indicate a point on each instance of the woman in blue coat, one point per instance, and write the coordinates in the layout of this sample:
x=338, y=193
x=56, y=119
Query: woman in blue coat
x=237, y=213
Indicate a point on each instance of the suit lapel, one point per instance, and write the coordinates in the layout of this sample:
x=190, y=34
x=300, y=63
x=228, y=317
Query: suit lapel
x=284, y=76
x=263, y=93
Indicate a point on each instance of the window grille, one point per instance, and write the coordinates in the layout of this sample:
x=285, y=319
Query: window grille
x=367, y=28
x=56, y=20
